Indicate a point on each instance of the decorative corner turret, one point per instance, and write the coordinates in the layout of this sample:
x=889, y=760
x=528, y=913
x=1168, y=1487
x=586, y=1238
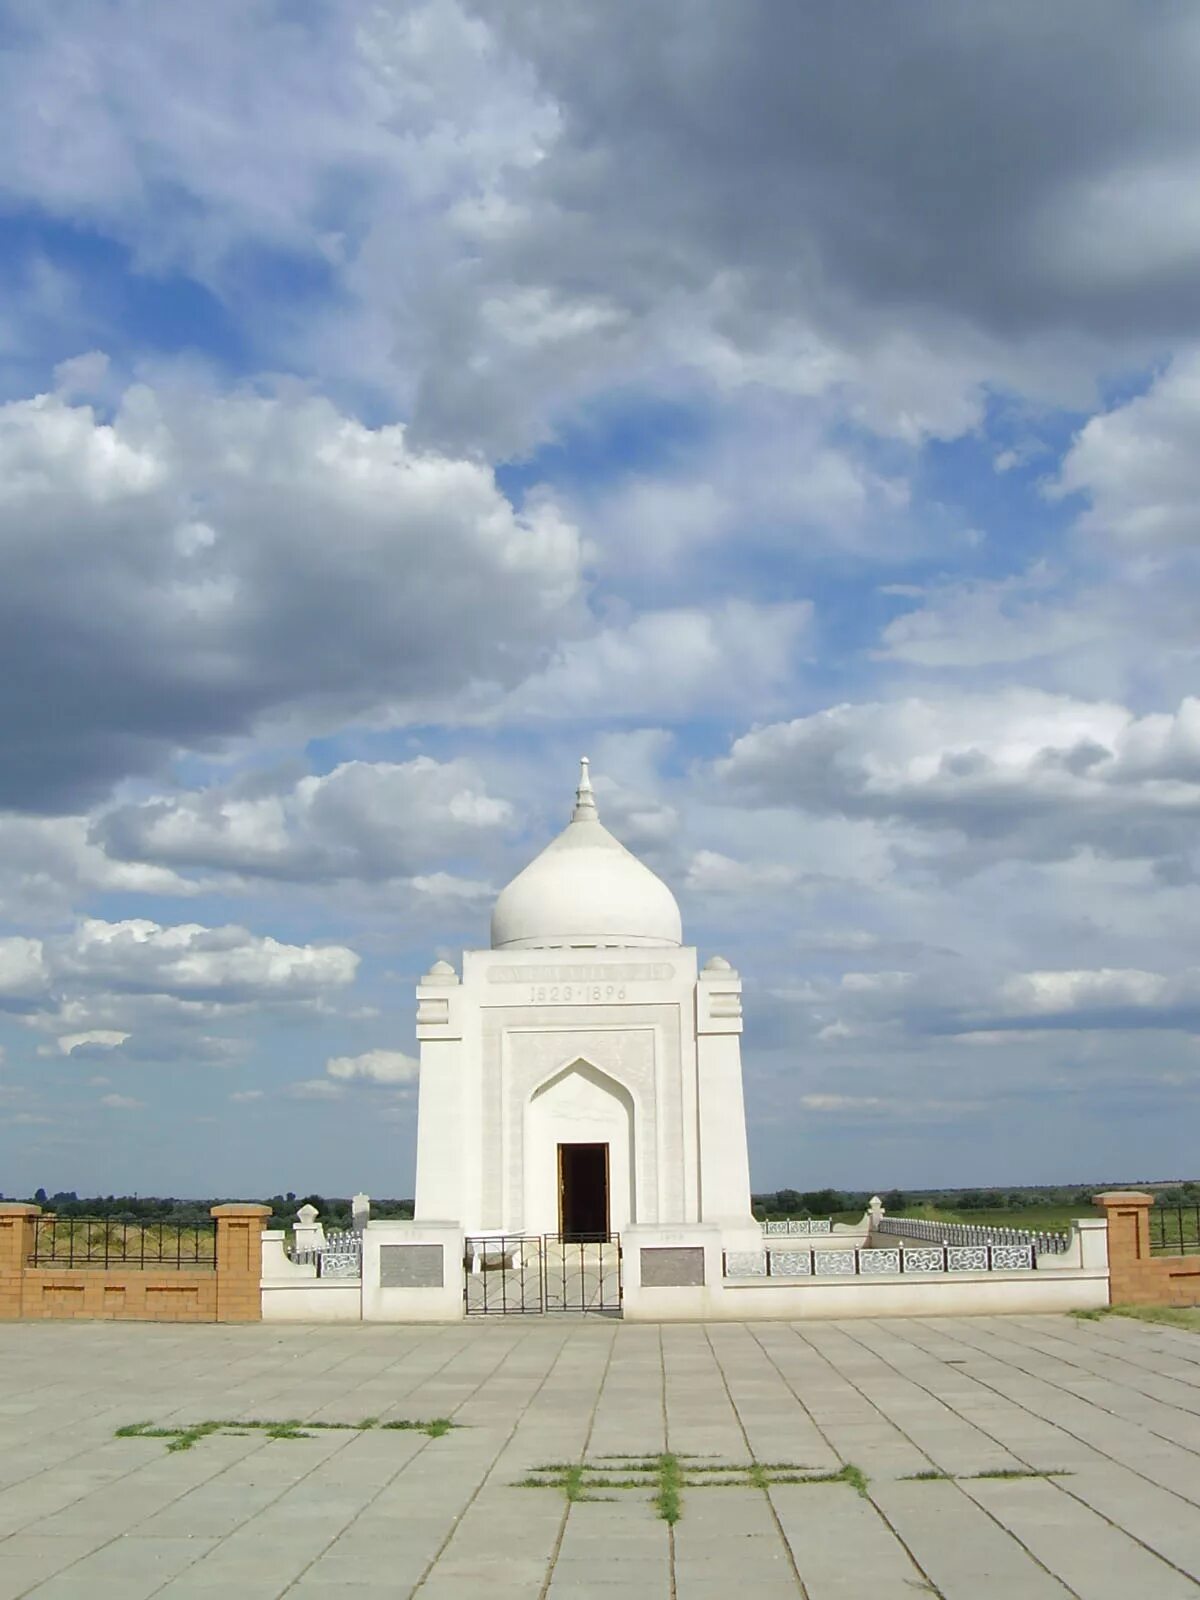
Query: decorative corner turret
x=438, y=1003
x=718, y=998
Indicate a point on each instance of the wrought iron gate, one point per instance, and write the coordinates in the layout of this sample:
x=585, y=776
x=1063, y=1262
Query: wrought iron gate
x=582, y=1272
x=503, y=1274
x=525, y=1275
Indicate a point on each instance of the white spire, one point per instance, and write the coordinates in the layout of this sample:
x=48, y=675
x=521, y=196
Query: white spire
x=585, y=799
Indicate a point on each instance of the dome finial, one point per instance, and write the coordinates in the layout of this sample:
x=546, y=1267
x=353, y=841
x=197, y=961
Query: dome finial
x=585, y=799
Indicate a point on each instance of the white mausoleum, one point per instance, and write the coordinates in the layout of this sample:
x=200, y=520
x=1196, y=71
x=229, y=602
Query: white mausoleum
x=583, y=1076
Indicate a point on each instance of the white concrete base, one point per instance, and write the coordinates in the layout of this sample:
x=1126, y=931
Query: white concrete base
x=951, y=1294
x=318, y=1300
x=673, y=1303
x=381, y=1303
x=943, y=1294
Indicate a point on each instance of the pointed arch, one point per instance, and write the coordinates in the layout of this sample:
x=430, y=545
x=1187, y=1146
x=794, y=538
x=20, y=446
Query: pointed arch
x=578, y=1102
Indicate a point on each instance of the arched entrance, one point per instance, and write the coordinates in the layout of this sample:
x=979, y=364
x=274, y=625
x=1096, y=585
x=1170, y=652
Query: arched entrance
x=579, y=1154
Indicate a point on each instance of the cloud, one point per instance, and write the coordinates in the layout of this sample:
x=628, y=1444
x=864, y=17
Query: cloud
x=497, y=212
x=709, y=872
x=376, y=1066
x=1138, y=464
x=665, y=663
x=121, y=1102
x=243, y=557
x=140, y=991
x=841, y=1102
x=757, y=193
x=1106, y=996
x=23, y=974
x=48, y=863
x=244, y=1096
x=89, y=1043
x=1016, y=774
x=365, y=820
x=314, y=1089
x=966, y=623
x=226, y=966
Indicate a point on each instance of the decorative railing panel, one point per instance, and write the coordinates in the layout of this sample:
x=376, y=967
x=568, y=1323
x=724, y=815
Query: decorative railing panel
x=880, y=1263
x=341, y=1256
x=104, y=1242
x=799, y=1225
x=1043, y=1242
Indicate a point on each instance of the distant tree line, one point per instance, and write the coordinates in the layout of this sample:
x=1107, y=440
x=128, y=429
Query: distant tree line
x=334, y=1210
x=781, y=1203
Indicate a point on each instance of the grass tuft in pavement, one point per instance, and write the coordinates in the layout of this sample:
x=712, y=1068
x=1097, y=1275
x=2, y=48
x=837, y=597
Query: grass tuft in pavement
x=668, y=1475
x=186, y=1435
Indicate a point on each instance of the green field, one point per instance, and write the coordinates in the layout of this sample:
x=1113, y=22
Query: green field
x=1038, y=1219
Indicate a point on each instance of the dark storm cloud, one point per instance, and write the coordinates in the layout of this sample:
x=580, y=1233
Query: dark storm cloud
x=988, y=158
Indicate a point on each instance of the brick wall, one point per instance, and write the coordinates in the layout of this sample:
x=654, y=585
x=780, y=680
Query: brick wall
x=113, y=1294
x=230, y=1293
x=1136, y=1278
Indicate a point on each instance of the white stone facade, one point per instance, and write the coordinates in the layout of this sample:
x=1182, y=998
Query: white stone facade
x=630, y=1049
x=586, y=1035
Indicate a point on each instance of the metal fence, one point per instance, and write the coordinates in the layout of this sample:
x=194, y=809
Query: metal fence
x=1174, y=1230
x=1044, y=1242
x=107, y=1242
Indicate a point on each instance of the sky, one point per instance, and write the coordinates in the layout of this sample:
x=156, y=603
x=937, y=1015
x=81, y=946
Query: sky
x=795, y=408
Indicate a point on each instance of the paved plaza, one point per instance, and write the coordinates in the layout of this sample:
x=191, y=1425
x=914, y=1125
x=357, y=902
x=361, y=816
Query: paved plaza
x=945, y=1420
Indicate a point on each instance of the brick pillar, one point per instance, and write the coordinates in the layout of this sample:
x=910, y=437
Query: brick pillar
x=1127, y=1212
x=239, y=1261
x=16, y=1246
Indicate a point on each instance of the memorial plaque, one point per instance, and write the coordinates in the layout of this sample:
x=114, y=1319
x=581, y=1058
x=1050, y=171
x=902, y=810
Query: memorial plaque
x=411, y=1266
x=672, y=1267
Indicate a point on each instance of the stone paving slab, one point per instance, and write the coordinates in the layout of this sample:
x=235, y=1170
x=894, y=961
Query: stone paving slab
x=1037, y=1458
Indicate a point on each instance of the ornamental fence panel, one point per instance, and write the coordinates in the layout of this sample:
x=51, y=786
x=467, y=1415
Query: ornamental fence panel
x=339, y=1257
x=879, y=1263
x=799, y=1225
x=1043, y=1241
x=104, y=1242
x=1174, y=1230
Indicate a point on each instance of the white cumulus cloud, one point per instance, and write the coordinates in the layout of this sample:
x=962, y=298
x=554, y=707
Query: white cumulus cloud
x=375, y=1066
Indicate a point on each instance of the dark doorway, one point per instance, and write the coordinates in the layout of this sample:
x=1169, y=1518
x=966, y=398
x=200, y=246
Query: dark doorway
x=583, y=1191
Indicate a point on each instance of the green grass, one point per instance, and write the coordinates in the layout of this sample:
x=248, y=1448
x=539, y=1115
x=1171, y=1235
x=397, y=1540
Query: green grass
x=668, y=1500
x=1170, y=1316
x=185, y=1436
x=664, y=1477
x=933, y=1475
x=1018, y=1472
x=1038, y=1219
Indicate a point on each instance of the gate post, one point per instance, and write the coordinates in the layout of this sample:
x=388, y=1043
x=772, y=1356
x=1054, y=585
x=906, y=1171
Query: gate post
x=239, y=1261
x=16, y=1246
